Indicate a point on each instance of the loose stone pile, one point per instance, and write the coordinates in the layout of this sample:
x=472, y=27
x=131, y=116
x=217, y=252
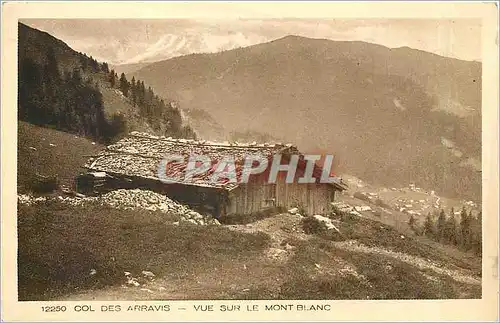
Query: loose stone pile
x=136, y=198
x=131, y=200
x=343, y=207
x=29, y=200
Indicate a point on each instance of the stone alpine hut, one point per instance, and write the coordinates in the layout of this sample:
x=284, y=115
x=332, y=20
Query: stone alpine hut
x=133, y=162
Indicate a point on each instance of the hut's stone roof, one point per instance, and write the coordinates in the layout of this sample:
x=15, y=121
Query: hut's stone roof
x=140, y=154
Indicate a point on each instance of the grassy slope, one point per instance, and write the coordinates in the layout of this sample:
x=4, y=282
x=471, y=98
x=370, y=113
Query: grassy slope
x=193, y=262
x=59, y=245
x=384, y=277
x=372, y=233
x=64, y=159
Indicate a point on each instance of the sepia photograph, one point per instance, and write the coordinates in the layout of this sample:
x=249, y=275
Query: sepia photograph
x=248, y=159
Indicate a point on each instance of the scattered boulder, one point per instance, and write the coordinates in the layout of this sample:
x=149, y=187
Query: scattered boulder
x=327, y=221
x=148, y=274
x=192, y=221
x=132, y=281
x=345, y=208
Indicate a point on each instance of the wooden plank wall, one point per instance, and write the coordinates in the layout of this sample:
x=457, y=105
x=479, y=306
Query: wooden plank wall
x=252, y=197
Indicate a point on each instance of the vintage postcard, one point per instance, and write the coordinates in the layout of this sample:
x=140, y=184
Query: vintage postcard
x=249, y=161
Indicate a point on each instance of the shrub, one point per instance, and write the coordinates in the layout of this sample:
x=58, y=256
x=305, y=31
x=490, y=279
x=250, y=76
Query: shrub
x=302, y=210
x=335, y=211
x=311, y=225
x=349, y=218
x=43, y=184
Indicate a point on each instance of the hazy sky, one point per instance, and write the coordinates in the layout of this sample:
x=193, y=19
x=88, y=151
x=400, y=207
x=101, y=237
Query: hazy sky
x=133, y=40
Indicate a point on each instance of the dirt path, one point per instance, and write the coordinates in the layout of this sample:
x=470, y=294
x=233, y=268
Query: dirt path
x=286, y=226
x=281, y=229
x=353, y=245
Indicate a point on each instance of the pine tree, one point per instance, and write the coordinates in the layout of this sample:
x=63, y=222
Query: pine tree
x=465, y=229
x=51, y=70
x=84, y=61
x=429, y=227
x=105, y=67
x=124, y=85
x=117, y=127
x=440, y=225
x=133, y=91
x=142, y=93
x=30, y=93
x=51, y=108
x=94, y=64
x=451, y=230
x=476, y=234
x=411, y=222
x=112, y=79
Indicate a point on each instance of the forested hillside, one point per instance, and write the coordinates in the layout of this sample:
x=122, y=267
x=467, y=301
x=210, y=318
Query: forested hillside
x=69, y=91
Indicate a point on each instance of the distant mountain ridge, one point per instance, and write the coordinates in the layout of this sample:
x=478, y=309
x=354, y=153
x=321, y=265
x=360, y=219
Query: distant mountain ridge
x=128, y=68
x=169, y=44
x=382, y=111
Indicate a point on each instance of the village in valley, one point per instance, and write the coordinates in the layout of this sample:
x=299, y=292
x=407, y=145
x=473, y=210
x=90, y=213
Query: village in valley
x=96, y=221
